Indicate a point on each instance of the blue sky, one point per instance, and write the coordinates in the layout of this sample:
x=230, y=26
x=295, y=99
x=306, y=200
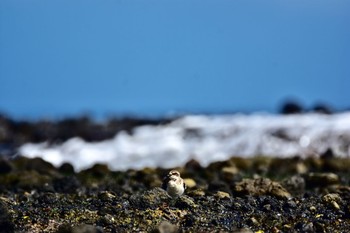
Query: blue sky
x=155, y=56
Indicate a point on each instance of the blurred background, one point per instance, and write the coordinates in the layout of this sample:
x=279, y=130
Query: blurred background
x=155, y=57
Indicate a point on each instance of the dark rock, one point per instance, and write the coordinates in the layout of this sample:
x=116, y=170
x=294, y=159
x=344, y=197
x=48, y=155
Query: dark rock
x=5, y=166
x=66, y=168
x=328, y=154
x=294, y=184
x=68, y=184
x=122, y=202
x=308, y=227
x=28, y=180
x=261, y=186
x=36, y=164
x=321, y=179
x=322, y=108
x=7, y=149
x=229, y=173
x=218, y=186
x=150, y=199
x=193, y=166
x=97, y=170
x=291, y=107
x=6, y=224
x=15, y=133
x=106, y=196
x=185, y=202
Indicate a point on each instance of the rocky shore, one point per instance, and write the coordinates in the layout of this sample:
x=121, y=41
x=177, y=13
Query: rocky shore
x=238, y=195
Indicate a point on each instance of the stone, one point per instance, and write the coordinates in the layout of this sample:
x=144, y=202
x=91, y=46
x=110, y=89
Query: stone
x=150, y=199
x=294, y=184
x=190, y=183
x=6, y=224
x=261, y=186
x=197, y=193
x=321, y=179
x=332, y=199
x=228, y=173
x=222, y=195
x=5, y=166
x=166, y=227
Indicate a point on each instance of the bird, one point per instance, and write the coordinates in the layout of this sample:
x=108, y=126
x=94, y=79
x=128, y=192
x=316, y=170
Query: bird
x=174, y=184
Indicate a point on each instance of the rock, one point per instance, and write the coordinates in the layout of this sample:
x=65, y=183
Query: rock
x=98, y=170
x=287, y=166
x=291, y=107
x=308, y=227
x=106, y=196
x=335, y=205
x=336, y=164
x=253, y=221
x=66, y=168
x=332, y=199
x=241, y=163
x=196, y=193
x=321, y=179
x=222, y=195
x=150, y=199
x=261, y=186
x=218, y=185
x=5, y=166
x=166, y=227
x=190, y=183
x=322, y=108
x=6, y=224
x=148, y=177
x=122, y=201
x=294, y=184
x=36, y=164
x=301, y=168
x=228, y=173
x=107, y=219
x=185, y=202
x=243, y=230
x=312, y=208
x=278, y=191
x=84, y=228
x=328, y=154
x=68, y=184
x=31, y=180
x=193, y=166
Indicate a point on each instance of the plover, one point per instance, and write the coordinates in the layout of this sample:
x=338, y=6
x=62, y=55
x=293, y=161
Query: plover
x=174, y=184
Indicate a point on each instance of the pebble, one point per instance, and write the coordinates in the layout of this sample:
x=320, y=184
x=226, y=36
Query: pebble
x=222, y=195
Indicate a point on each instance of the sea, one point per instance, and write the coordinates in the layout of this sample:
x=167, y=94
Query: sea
x=206, y=139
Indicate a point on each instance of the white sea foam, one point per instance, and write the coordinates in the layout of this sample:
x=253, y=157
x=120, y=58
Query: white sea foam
x=205, y=139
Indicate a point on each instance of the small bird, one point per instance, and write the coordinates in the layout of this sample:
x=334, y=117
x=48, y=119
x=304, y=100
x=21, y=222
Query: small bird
x=174, y=184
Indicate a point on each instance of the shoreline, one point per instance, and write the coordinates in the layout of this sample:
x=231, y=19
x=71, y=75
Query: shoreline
x=256, y=194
